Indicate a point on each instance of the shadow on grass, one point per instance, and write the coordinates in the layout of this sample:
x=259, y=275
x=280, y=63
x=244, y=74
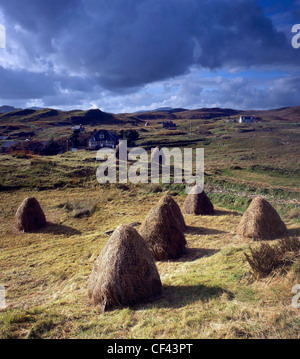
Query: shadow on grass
x=192, y=254
x=294, y=232
x=181, y=296
x=59, y=229
x=203, y=231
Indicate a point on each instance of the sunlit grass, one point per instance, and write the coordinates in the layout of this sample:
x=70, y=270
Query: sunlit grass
x=207, y=293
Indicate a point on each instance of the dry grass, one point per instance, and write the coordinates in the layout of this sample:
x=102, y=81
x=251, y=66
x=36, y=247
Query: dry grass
x=265, y=259
x=206, y=293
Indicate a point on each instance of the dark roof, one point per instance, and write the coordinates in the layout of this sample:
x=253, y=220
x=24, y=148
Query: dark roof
x=108, y=136
x=169, y=124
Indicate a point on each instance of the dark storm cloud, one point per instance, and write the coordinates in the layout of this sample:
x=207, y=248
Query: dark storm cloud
x=123, y=44
x=23, y=85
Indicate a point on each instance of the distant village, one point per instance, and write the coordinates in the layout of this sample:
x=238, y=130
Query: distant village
x=80, y=139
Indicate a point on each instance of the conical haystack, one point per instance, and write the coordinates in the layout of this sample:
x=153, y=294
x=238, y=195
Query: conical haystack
x=168, y=200
x=121, y=147
x=157, y=156
x=261, y=222
x=125, y=272
x=198, y=203
x=163, y=233
x=30, y=217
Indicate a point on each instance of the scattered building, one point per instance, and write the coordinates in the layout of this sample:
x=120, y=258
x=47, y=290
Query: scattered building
x=247, y=119
x=78, y=128
x=170, y=125
x=147, y=124
x=233, y=120
x=103, y=138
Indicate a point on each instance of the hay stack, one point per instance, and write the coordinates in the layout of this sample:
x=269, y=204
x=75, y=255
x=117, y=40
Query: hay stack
x=261, y=222
x=30, y=217
x=121, y=146
x=125, y=272
x=168, y=200
x=155, y=158
x=198, y=204
x=163, y=233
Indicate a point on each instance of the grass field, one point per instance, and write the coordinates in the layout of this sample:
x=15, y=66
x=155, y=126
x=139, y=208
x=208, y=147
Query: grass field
x=208, y=293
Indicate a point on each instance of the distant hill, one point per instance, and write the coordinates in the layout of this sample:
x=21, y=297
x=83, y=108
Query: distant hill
x=181, y=113
x=58, y=118
x=7, y=109
x=98, y=117
x=46, y=123
x=208, y=113
x=282, y=114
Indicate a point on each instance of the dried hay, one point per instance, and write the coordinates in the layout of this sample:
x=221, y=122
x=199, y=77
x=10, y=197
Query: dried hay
x=157, y=156
x=30, y=217
x=261, y=222
x=168, y=200
x=265, y=259
x=163, y=232
x=121, y=147
x=198, y=204
x=125, y=272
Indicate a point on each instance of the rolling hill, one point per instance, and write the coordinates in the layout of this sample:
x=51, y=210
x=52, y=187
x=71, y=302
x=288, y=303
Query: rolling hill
x=283, y=114
x=49, y=123
x=6, y=109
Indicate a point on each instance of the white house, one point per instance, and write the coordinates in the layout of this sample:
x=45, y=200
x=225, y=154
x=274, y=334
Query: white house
x=247, y=119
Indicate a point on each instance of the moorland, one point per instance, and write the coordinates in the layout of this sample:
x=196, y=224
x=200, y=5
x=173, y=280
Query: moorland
x=211, y=291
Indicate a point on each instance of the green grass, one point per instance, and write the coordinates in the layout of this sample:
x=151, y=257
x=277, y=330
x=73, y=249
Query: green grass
x=209, y=293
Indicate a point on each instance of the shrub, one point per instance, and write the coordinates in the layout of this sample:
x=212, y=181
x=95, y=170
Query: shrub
x=130, y=135
x=52, y=148
x=79, y=209
x=265, y=259
x=27, y=148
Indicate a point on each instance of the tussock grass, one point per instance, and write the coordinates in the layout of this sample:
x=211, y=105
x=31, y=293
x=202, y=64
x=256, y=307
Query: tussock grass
x=79, y=208
x=265, y=259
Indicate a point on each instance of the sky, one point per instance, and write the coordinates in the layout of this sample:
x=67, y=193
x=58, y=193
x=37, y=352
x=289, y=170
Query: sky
x=133, y=55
